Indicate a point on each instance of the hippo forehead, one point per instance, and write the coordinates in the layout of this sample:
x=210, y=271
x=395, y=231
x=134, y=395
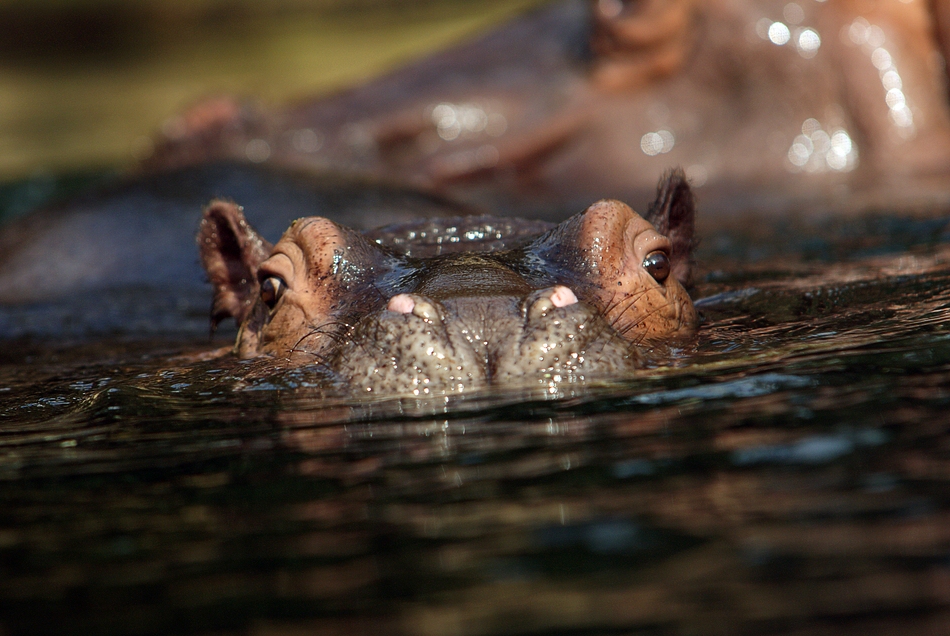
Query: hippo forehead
x=322, y=249
x=424, y=238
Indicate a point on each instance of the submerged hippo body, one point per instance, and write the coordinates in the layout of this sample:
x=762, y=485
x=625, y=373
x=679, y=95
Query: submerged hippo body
x=763, y=102
x=460, y=304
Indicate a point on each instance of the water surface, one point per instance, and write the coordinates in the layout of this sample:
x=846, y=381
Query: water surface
x=786, y=473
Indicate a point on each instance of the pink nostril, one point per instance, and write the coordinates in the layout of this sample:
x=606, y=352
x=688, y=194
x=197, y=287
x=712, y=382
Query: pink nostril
x=562, y=296
x=401, y=304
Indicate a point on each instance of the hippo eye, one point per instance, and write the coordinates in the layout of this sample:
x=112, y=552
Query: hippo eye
x=658, y=264
x=271, y=290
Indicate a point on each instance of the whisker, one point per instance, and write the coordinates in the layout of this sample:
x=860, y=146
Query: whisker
x=328, y=329
x=648, y=314
x=378, y=291
x=614, y=303
x=630, y=300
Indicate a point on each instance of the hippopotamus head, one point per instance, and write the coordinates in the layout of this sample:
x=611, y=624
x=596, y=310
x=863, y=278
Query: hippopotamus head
x=453, y=305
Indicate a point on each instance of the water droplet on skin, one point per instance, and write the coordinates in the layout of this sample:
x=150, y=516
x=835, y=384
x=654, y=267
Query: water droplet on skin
x=779, y=33
x=891, y=79
x=810, y=125
x=806, y=142
x=817, y=150
x=858, y=31
x=798, y=155
x=668, y=140
x=651, y=144
x=881, y=59
x=450, y=132
x=841, y=143
x=808, y=43
x=654, y=143
x=875, y=36
x=902, y=117
x=895, y=99
x=836, y=161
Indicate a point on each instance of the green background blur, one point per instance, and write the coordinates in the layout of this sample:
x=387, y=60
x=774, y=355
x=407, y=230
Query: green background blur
x=84, y=84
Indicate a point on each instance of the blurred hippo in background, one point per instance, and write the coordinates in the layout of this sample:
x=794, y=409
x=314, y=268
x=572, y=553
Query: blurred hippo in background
x=455, y=305
x=121, y=258
x=764, y=103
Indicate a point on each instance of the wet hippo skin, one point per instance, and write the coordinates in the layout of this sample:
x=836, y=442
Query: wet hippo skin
x=763, y=102
x=494, y=302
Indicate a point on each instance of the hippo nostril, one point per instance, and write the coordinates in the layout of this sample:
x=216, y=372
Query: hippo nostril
x=538, y=304
x=415, y=305
x=401, y=304
x=563, y=296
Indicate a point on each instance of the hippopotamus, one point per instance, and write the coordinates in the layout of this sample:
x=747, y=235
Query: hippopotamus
x=455, y=305
x=765, y=103
x=803, y=106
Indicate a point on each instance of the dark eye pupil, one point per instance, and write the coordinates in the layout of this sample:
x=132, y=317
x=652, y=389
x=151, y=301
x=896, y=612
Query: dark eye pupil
x=658, y=264
x=271, y=290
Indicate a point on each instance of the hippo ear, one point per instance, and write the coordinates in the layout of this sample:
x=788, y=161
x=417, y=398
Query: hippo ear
x=673, y=214
x=231, y=252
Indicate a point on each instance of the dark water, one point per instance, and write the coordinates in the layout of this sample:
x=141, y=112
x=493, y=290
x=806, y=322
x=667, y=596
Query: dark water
x=786, y=473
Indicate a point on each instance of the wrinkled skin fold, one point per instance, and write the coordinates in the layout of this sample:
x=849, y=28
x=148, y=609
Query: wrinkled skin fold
x=455, y=305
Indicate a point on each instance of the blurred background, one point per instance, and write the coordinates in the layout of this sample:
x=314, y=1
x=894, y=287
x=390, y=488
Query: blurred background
x=84, y=84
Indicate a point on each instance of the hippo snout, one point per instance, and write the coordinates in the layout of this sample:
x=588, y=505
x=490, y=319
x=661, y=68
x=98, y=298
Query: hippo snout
x=420, y=346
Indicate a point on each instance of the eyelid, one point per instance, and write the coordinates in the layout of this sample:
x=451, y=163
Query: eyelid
x=650, y=241
x=278, y=265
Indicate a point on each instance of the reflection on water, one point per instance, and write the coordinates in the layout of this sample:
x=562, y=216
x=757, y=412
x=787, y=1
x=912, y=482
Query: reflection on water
x=788, y=475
